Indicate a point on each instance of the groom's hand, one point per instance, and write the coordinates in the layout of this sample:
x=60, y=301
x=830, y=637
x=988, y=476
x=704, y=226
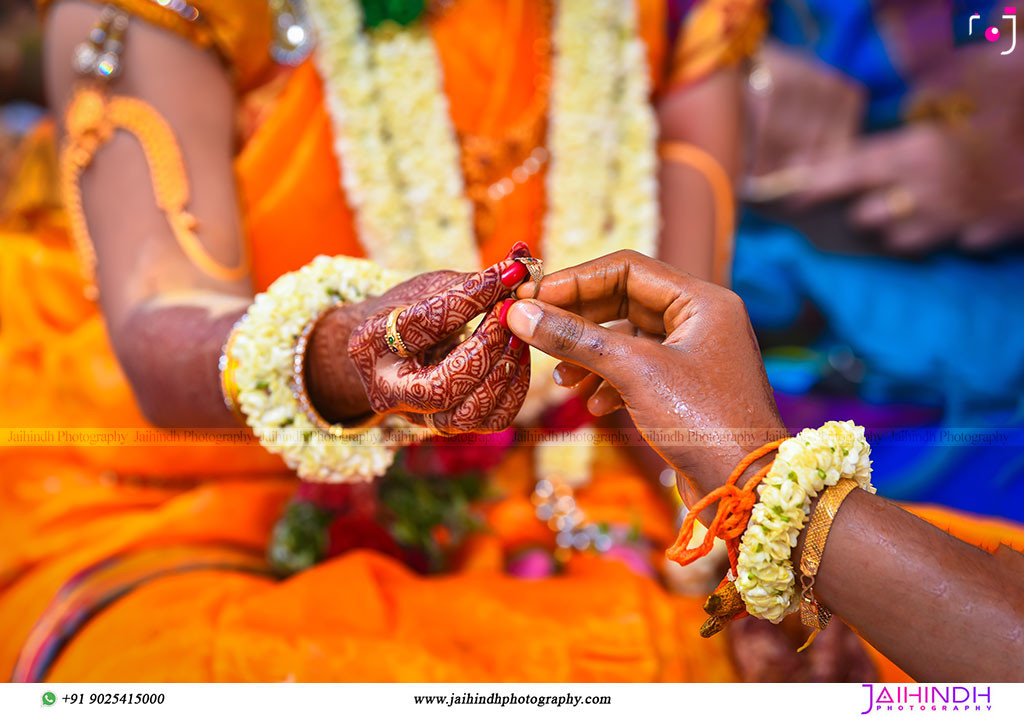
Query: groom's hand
x=698, y=392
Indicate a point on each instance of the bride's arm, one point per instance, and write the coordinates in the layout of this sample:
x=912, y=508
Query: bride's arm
x=708, y=116
x=166, y=319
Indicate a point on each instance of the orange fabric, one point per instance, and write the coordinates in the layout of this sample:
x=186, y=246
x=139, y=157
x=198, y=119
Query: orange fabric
x=987, y=533
x=717, y=34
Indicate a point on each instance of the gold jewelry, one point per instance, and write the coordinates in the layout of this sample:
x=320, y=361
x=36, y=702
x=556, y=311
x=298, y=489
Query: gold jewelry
x=536, y=268
x=428, y=420
x=228, y=385
x=100, y=55
x=301, y=393
x=92, y=119
x=812, y=613
x=391, y=335
x=900, y=203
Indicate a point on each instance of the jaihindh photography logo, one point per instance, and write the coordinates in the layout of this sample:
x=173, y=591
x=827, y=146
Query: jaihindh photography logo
x=925, y=698
x=981, y=22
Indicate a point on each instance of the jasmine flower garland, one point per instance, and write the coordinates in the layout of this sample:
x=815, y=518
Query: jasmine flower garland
x=264, y=348
x=601, y=183
x=805, y=465
x=394, y=141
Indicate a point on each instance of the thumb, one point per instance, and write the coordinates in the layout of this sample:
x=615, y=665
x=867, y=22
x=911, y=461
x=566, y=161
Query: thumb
x=569, y=337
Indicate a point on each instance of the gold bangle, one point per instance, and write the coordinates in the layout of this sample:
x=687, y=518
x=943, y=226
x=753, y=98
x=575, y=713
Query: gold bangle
x=430, y=422
x=228, y=386
x=301, y=393
x=722, y=193
x=391, y=335
x=812, y=613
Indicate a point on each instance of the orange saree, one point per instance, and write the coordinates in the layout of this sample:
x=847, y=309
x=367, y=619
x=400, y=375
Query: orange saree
x=140, y=563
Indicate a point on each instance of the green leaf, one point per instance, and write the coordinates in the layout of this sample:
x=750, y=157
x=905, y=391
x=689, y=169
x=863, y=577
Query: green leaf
x=299, y=539
x=402, y=12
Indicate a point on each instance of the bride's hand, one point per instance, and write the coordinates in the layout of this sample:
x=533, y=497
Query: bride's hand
x=479, y=386
x=699, y=395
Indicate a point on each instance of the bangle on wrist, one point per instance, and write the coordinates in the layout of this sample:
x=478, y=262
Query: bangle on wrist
x=761, y=532
x=804, y=466
x=228, y=385
x=268, y=343
x=301, y=391
x=812, y=613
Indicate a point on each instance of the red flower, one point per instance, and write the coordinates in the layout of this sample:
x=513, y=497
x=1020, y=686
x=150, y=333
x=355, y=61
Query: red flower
x=340, y=497
x=455, y=456
x=568, y=415
x=350, y=532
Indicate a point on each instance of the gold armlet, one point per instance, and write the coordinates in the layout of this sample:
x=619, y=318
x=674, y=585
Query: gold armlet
x=724, y=200
x=92, y=119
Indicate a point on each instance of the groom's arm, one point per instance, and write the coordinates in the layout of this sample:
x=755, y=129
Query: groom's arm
x=941, y=609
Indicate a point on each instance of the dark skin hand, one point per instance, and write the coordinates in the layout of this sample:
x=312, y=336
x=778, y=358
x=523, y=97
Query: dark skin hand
x=919, y=186
x=939, y=608
x=803, y=93
x=686, y=384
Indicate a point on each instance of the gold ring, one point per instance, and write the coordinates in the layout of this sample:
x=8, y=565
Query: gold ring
x=536, y=268
x=900, y=203
x=391, y=335
x=428, y=419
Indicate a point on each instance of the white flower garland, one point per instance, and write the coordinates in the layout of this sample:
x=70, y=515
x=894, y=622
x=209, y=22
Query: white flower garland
x=636, y=221
x=394, y=141
x=601, y=182
x=399, y=157
x=805, y=465
x=264, y=347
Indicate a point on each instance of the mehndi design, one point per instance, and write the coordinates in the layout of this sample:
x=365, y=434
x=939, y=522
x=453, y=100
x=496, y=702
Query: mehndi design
x=477, y=386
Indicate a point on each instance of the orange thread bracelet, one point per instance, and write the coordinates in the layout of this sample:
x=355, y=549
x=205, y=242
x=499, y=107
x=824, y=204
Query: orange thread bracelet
x=732, y=516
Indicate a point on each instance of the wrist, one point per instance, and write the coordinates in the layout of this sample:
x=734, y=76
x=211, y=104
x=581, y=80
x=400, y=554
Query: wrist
x=719, y=461
x=332, y=381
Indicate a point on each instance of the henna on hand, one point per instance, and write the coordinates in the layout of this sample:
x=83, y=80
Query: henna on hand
x=409, y=385
x=512, y=399
x=478, y=382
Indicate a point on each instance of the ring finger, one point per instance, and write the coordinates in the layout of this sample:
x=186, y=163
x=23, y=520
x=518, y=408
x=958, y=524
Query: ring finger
x=483, y=399
x=441, y=386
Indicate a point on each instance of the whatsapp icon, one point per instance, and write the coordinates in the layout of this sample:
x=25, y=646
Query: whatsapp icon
x=49, y=698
